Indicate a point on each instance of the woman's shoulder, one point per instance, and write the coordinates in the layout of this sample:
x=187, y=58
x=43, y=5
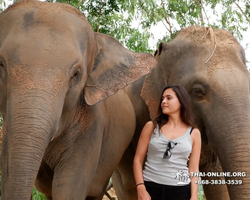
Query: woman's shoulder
x=196, y=130
x=196, y=133
x=149, y=125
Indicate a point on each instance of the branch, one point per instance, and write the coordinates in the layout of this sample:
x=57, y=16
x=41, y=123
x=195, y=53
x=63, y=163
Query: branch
x=199, y=4
x=242, y=11
x=100, y=11
x=169, y=24
x=167, y=20
x=205, y=13
x=165, y=25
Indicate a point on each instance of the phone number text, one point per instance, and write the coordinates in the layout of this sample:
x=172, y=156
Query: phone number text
x=219, y=182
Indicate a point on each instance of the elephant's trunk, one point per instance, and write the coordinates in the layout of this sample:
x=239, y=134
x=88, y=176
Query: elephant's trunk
x=30, y=123
x=230, y=138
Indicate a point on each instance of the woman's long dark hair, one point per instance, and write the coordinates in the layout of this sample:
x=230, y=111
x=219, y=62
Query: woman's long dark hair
x=185, y=112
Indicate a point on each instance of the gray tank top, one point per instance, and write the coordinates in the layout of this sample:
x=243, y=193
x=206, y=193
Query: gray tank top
x=168, y=171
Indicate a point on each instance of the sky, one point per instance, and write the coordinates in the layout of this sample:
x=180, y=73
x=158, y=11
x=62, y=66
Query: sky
x=159, y=30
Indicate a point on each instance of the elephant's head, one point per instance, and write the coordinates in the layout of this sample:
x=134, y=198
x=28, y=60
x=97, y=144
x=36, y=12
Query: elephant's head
x=50, y=62
x=210, y=64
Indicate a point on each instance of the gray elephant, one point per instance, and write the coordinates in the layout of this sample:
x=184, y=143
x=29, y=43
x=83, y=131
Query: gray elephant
x=61, y=132
x=210, y=64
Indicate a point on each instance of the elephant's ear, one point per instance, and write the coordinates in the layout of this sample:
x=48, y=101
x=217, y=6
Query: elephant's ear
x=154, y=83
x=115, y=67
x=151, y=91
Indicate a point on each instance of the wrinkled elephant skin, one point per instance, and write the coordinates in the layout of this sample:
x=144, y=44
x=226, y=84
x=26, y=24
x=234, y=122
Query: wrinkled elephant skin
x=66, y=117
x=210, y=64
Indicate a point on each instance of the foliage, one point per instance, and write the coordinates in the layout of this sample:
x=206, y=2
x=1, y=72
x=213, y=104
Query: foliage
x=2, y=5
x=201, y=195
x=131, y=21
x=37, y=195
x=112, y=17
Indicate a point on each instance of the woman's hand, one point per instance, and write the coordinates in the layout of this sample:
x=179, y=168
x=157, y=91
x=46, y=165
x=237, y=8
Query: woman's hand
x=142, y=193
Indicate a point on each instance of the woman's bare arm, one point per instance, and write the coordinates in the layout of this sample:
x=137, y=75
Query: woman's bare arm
x=194, y=162
x=140, y=154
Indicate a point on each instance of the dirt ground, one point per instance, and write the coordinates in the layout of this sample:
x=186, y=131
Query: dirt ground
x=112, y=194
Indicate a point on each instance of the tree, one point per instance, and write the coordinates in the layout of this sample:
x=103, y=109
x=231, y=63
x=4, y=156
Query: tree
x=113, y=17
x=118, y=17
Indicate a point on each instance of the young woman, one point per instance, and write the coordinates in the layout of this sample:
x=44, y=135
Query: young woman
x=173, y=147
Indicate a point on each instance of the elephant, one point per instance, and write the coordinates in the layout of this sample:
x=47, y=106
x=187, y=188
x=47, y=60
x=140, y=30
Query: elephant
x=67, y=119
x=211, y=65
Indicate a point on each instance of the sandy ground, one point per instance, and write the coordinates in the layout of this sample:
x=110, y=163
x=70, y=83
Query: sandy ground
x=112, y=194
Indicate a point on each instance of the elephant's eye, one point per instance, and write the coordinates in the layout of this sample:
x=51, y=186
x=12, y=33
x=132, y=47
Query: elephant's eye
x=76, y=74
x=75, y=78
x=198, y=91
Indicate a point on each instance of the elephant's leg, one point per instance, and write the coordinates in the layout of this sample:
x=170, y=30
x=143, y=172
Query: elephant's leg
x=101, y=197
x=211, y=164
x=44, y=180
x=48, y=197
x=74, y=173
x=94, y=198
x=123, y=178
x=101, y=194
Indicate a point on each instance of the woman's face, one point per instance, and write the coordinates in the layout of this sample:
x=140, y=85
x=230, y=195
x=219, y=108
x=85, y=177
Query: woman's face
x=170, y=103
